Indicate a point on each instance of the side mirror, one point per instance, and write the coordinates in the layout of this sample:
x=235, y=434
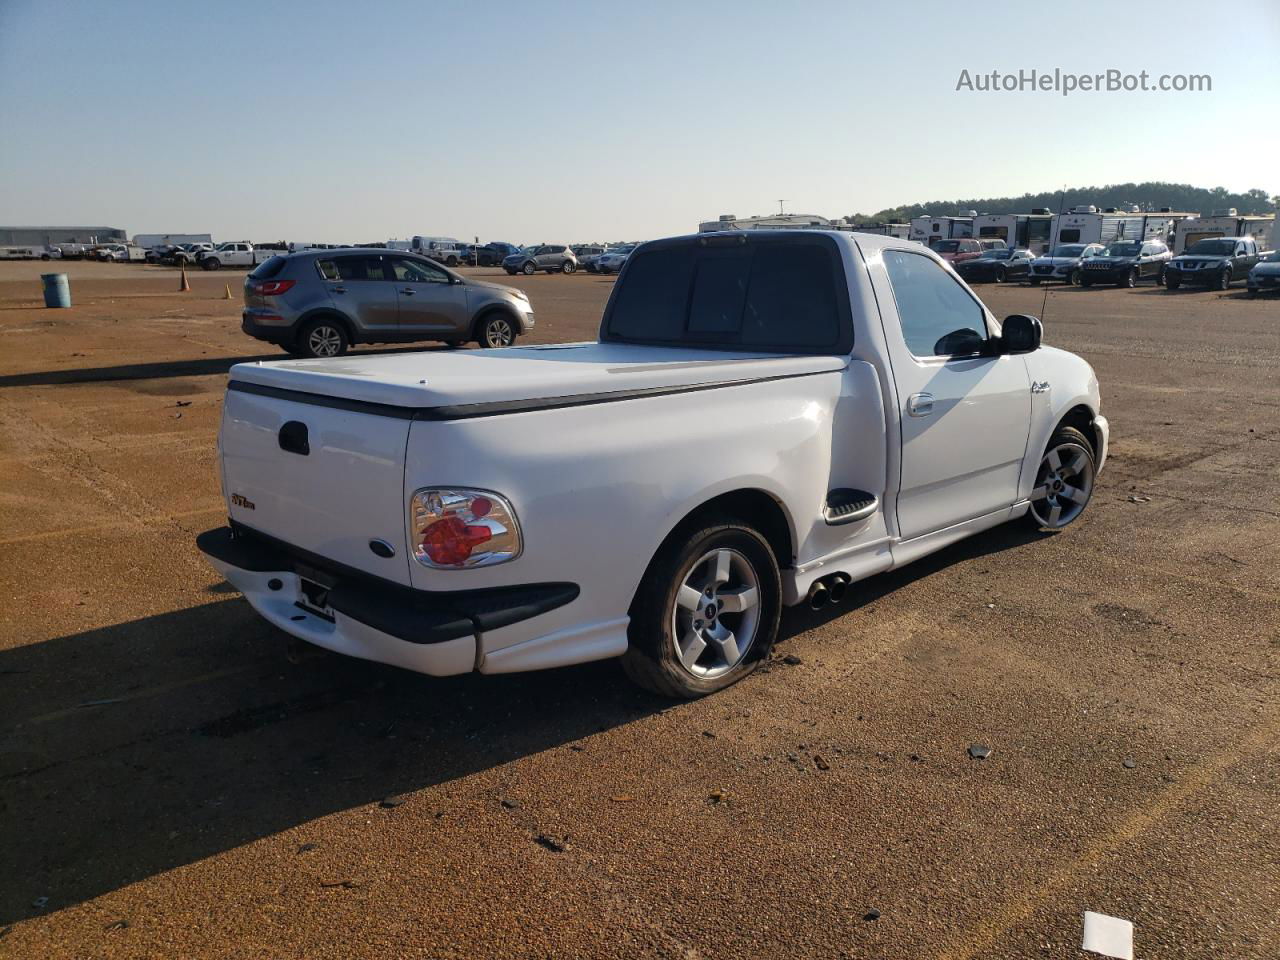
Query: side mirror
x=1020, y=334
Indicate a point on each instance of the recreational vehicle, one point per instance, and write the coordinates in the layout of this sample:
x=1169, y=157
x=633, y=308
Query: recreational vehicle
x=779, y=221
x=1020, y=231
x=899, y=231
x=1091, y=225
x=929, y=230
x=1225, y=224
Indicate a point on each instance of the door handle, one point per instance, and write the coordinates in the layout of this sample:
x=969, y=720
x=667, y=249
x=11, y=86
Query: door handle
x=920, y=404
x=338, y=289
x=408, y=291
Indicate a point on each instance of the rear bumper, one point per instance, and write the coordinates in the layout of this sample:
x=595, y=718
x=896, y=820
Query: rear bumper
x=434, y=632
x=254, y=323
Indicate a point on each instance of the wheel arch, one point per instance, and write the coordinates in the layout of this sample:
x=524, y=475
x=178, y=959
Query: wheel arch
x=1081, y=417
x=751, y=505
x=328, y=313
x=488, y=310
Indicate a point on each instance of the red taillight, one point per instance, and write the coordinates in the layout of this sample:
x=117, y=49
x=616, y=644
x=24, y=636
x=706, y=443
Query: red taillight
x=450, y=541
x=273, y=288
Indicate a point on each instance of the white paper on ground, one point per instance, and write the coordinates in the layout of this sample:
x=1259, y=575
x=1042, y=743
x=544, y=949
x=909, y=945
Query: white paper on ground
x=1109, y=936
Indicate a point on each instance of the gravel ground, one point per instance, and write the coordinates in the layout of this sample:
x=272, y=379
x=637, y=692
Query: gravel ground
x=178, y=780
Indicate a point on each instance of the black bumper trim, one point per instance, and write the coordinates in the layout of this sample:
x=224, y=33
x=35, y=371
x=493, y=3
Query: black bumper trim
x=414, y=616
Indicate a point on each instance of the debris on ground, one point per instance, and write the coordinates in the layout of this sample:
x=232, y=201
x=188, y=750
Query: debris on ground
x=792, y=660
x=623, y=798
x=308, y=847
x=979, y=751
x=183, y=403
x=344, y=884
x=820, y=762
x=872, y=914
x=392, y=801
x=718, y=796
x=510, y=804
x=39, y=903
x=121, y=924
x=1129, y=763
x=1108, y=936
x=1134, y=499
x=550, y=843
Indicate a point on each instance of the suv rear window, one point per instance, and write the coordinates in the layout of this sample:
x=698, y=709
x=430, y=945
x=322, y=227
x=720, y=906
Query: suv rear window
x=782, y=295
x=268, y=268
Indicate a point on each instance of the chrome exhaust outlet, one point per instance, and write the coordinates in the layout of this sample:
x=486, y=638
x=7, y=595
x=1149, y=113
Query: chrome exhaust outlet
x=819, y=596
x=837, y=587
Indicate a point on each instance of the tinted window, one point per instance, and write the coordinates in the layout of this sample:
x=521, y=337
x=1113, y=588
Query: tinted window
x=771, y=295
x=268, y=268
x=939, y=318
x=328, y=269
x=360, y=268
x=947, y=246
x=1221, y=247
x=415, y=271
x=1068, y=236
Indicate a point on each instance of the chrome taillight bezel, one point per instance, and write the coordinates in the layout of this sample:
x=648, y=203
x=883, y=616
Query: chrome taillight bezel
x=427, y=505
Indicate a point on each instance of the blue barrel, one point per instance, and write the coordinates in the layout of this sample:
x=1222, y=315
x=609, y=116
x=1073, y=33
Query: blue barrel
x=57, y=291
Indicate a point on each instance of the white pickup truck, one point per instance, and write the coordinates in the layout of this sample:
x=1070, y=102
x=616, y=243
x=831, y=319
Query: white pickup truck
x=235, y=254
x=765, y=418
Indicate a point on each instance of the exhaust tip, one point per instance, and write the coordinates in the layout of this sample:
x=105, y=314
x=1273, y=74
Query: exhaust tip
x=819, y=596
x=838, y=588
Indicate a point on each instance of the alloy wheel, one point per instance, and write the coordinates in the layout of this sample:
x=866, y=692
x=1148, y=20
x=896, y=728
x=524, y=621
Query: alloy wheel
x=716, y=615
x=498, y=332
x=1064, y=484
x=324, y=341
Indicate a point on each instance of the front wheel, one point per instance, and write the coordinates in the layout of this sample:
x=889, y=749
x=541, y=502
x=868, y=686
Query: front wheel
x=1035, y=282
x=496, y=330
x=1172, y=281
x=321, y=339
x=530, y=268
x=706, y=613
x=1086, y=282
x=511, y=271
x=1224, y=280
x=1077, y=278
x=1064, y=481
x=1001, y=275
x=1131, y=280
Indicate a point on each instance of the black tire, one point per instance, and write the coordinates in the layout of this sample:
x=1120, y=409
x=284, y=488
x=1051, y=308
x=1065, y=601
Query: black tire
x=1130, y=280
x=1072, y=438
x=209, y=263
x=1160, y=276
x=322, y=330
x=496, y=329
x=456, y=343
x=652, y=659
x=451, y=261
x=1086, y=282
x=568, y=267
x=1224, y=280
x=511, y=271
x=1001, y=275
x=1172, y=281
x=45, y=256
x=1034, y=281
x=1076, y=277
x=529, y=268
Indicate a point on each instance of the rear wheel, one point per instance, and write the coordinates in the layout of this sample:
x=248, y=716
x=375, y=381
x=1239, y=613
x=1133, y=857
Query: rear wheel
x=1064, y=481
x=706, y=613
x=568, y=267
x=209, y=263
x=496, y=330
x=322, y=338
x=451, y=261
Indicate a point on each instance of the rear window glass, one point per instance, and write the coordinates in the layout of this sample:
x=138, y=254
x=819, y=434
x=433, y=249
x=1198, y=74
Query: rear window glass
x=782, y=296
x=269, y=268
x=360, y=268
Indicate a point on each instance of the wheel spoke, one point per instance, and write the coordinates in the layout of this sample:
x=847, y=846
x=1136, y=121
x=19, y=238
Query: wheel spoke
x=1077, y=465
x=1039, y=493
x=1055, y=514
x=1075, y=495
x=736, y=601
x=692, y=649
x=723, y=561
x=1054, y=461
x=728, y=644
x=688, y=598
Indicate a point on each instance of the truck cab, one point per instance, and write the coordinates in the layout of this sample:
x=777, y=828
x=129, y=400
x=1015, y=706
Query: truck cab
x=765, y=418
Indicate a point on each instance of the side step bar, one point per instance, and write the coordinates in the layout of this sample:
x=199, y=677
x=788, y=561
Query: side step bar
x=849, y=506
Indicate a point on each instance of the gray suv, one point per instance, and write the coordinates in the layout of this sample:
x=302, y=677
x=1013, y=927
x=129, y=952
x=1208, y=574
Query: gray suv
x=549, y=257
x=319, y=302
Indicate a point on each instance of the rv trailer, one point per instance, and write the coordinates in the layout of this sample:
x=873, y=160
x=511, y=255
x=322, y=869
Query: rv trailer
x=1224, y=224
x=929, y=230
x=1019, y=231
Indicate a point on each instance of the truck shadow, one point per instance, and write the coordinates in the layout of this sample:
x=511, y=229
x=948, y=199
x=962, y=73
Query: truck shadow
x=129, y=750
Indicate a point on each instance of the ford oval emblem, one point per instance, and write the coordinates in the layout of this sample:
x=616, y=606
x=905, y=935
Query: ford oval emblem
x=382, y=549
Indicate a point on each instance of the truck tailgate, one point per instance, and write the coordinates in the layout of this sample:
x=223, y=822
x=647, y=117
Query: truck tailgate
x=324, y=479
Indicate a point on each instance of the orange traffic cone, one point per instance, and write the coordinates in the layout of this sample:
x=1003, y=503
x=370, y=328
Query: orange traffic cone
x=227, y=295
x=184, y=286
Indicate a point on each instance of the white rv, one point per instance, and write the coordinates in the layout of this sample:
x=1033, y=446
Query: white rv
x=1091, y=225
x=899, y=231
x=929, y=230
x=149, y=241
x=1224, y=224
x=1019, y=231
x=779, y=221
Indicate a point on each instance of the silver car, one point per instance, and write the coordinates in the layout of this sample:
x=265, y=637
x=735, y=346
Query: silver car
x=317, y=303
x=1265, y=276
x=548, y=257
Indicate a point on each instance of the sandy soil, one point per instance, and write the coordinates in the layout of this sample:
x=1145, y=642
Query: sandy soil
x=178, y=780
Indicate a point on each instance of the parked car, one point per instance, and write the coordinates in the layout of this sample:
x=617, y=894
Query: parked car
x=992, y=243
x=190, y=253
x=996, y=265
x=1213, y=262
x=492, y=254
x=236, y=254
x=549, y=258
x=613, y=259
x=757, y=425
x=1126, y=264
x=958, y=250
x=1063, y=263
x=119, y=252
x=1265, y=276
x=317, y=303
x=440, y=249
x=586, y=251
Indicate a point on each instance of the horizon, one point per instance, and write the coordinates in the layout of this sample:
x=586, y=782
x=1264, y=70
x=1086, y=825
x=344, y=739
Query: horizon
x=636, y=124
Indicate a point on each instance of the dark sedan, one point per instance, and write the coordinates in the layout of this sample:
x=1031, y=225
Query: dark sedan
x=995, y=266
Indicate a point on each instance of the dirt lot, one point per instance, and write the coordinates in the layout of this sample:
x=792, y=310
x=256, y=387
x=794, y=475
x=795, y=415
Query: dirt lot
x=176, y=780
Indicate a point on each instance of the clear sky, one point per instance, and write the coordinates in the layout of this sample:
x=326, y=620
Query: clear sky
x=360, y=121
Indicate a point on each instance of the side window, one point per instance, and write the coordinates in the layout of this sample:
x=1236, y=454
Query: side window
x=360, y=268
x=413, y=271
x=328, y=269
x=939, y=318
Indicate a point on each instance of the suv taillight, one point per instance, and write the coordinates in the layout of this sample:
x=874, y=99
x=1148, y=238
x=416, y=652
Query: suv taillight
x=273, y=288
x=452, y=528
